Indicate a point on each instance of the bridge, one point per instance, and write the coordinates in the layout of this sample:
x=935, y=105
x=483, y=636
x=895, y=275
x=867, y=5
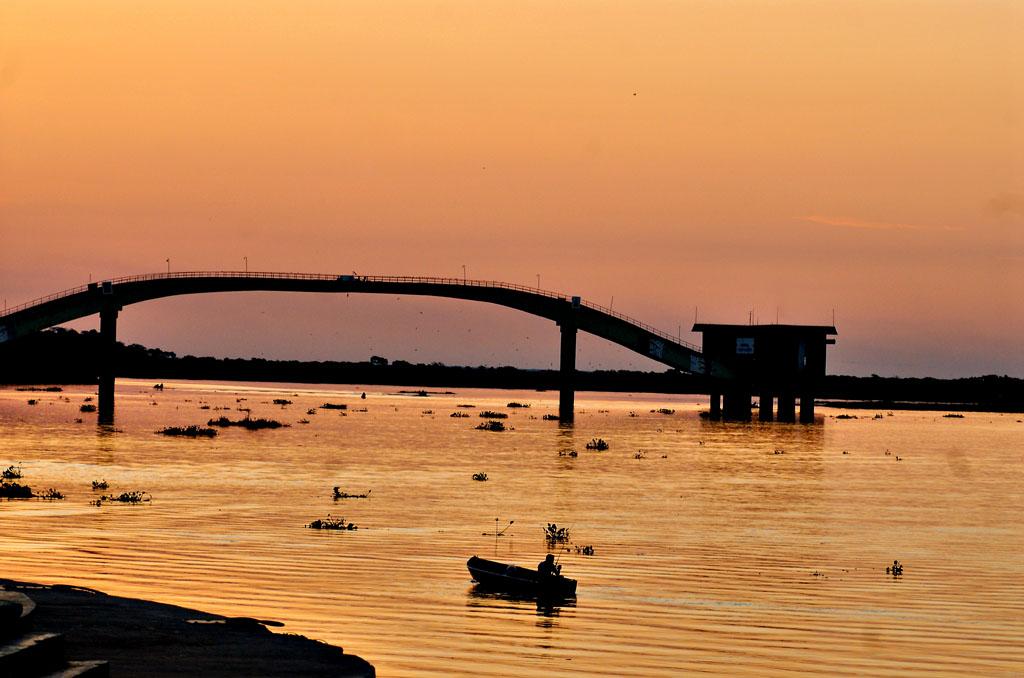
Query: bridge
x=570, y=314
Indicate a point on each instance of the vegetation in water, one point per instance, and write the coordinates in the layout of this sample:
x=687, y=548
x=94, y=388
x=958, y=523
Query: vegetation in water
x=466, y=405
x=311, y=410
x=514, y=405
x=282, y=402
x=568, y=453
x=51, y=493
x=459, y=415
x=663, y=410
x=334, y=406
x=480, y=476
x=490, y=414
x=587, y=550
x=188, y=431
x=32, y=401
x=598, y=444
x=341, y=494
x=953, y=416
x=553, y=534
x=12, y=472
x=100, y=485
x=14, y=491
x=87, y=408
x=247, y=423
x=550, y=417
x=331, y=523
x=495, y=426
x=303, y=421
x=130, y=497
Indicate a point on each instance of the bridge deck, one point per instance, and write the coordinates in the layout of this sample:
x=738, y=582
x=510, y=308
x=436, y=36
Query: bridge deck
x=563, y=309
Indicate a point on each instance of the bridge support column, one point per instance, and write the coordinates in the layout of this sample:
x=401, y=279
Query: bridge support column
x=567, y=372
x=787, y=407
x=737, y=405
x=716, y=406
x=806, y=408
x=108, y=345
x=764, y=407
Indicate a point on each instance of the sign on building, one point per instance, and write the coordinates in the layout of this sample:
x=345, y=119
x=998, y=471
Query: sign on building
x=744, y=346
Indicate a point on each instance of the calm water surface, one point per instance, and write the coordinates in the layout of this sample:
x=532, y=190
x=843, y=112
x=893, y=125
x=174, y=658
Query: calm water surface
x=712, y=552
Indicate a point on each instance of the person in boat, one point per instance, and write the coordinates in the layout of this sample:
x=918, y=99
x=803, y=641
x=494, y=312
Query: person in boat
x=547, y=567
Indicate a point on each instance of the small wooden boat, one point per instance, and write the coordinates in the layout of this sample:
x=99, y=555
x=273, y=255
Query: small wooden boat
x=496, y=576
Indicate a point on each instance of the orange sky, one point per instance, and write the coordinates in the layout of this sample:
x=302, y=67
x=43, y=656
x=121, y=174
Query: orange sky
x=789, y=157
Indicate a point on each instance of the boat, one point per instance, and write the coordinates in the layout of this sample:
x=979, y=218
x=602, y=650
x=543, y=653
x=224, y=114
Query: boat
x=496, y=576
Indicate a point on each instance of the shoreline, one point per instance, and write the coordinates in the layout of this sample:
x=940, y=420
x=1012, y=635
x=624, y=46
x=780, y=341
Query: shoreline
x=146, y=638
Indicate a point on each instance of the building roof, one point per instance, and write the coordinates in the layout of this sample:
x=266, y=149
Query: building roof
x=766, y=329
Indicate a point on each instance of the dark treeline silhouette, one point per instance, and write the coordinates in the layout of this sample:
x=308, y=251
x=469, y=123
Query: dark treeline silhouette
x=65, y=356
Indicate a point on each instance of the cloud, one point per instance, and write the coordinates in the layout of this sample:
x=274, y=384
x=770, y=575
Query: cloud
x=863, y=224
x=1007, y=203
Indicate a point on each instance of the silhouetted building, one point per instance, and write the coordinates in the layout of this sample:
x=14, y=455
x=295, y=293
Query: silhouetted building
x=772, y=361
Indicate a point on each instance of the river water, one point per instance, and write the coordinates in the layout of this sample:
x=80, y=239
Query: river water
x=718, y=548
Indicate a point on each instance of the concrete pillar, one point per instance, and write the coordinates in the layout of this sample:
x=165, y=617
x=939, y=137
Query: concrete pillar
x=108, y=344
x=765, y=403
x=787, y=407
x=716, y=406
x=806, y=408
x=737, y=405
x=567, y=373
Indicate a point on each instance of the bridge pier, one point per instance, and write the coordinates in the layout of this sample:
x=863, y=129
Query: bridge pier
x=806, y=408
x=737, y=405
x=715, y=412
x=567, y=372
x=764, y=406
x=787, y=407
x=108, y=346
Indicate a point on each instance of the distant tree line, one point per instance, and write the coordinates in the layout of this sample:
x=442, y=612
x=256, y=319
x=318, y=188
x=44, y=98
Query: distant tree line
x=63, y=356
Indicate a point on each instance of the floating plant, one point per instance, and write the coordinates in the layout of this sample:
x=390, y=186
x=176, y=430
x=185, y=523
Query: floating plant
x=331, y=523
x=553, y=534
x=490, y=414
x=100, y=485
x=14, y=491
x=480, y=476
x=340, y=494
x=188, y=431
x=130, y=497
x=247, y=423
x=598, y=444
x=491, y=426
x=12, y=472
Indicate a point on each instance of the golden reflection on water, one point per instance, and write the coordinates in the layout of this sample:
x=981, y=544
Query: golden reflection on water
x=713, y=553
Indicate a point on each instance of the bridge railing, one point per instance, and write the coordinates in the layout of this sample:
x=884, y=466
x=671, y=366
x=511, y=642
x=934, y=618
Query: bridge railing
x=265, y=275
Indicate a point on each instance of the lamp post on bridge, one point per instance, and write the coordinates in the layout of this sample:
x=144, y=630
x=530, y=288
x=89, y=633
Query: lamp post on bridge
x=168, y=260
x=246, y=259
x=463, y=274
x=538, y=281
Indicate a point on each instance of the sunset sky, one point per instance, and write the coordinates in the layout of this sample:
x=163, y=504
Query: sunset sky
x=787, y=159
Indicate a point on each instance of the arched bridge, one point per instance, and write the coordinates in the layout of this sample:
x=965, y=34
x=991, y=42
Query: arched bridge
x=571, y=313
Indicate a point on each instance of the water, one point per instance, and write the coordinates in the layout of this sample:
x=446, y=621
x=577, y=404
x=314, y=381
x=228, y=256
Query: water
x=713, y=554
